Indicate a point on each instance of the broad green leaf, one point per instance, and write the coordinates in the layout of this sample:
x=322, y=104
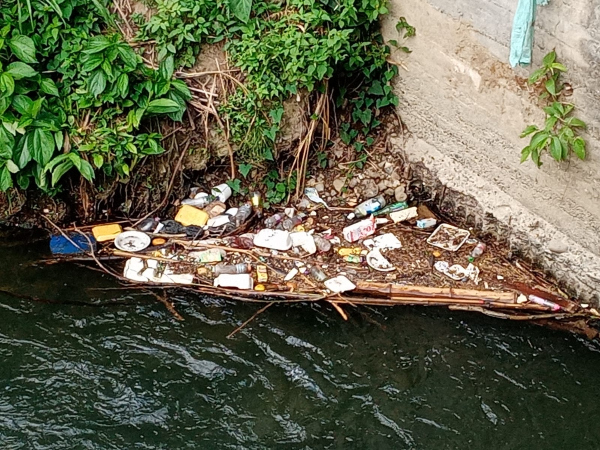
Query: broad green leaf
x=241, y=9
x=549, y=58
x=22, y=155
x=536, y=75
x=23, y=105
x=538, y=139
x=556, y=148
x=23, y=48
x=7, y=85
x=23, y=180
x=376, y=88
x=98, y=160
x=579, y=147
x=182, y=89
x=86, y=170
x=60, y=170
x=527, y=131
x=7, y=142
x=245, y=169
x=43, y=146
x=525, y=154
x=47, y=86
x=575, y=122
x=559, y=66
x=167, y=67
x=75, y=159
x=123, y=85
x=21, y=70
x=162, y=106
x=59, y=138
x=535, y=156
x=97, y=83
x=5, y=179
x=12, y=167
x=90, y=62
x=96, y=45
x=128, y=56
x=125, y=169
x=551, y=86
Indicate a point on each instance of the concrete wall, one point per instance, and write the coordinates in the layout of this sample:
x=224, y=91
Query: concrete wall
x=464, y=108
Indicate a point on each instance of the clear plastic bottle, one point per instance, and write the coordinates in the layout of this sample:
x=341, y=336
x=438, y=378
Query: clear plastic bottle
x=323, y=245
x=232, y=268
x=289, y=223
x=243, y=213
x=271, y=222
x=318, y=274
x=369, y=206
x=478, y=250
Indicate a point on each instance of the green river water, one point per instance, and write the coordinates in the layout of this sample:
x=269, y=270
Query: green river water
x=122, y=373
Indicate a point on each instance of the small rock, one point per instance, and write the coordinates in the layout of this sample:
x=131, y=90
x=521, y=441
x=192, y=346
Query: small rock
x=320, y=187
x=400, y=194
x=558, y=246
x=369, y=189
x=382, y=185
x=388, y=168
x=338, y=184
x=389, y=192
x=353, y=183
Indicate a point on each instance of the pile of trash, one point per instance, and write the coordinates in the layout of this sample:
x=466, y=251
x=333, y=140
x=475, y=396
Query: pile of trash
x=307, y=248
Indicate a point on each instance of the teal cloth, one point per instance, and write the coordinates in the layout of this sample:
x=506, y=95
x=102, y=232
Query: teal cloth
x=521, y=39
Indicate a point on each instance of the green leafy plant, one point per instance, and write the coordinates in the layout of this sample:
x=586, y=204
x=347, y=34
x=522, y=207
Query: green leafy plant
x=409, y=31
x=560, y=134
x=73, y=97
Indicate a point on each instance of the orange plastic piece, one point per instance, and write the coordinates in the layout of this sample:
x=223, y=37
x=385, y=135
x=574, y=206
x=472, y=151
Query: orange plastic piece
x=188, y=215
x=106, y=232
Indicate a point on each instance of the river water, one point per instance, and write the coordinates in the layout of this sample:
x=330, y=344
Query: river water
x=114, y=370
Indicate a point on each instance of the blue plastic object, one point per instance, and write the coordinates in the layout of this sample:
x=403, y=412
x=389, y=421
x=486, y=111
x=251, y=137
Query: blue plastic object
x=521, y=39
x=59, y=245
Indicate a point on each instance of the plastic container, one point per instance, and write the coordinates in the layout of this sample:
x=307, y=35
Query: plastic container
x=273, y=239
x=240, y=281
x=188, y=215
x=208, y=256
x=242, y=214
x=478, y=250
x=360, y=230
x=426, y=223
x=323, y=245
x=257, y=204
x=289, y=223
x=304, y=240
x=271, y=222
x=398, y=206
x=318, y=274
x=349, y=251
x=222, y=192
x=369, y=206
x=220, y=269
x=219, y=221
x=543, y=302
x=59, y=245
x=107, y=232
x=262, y=276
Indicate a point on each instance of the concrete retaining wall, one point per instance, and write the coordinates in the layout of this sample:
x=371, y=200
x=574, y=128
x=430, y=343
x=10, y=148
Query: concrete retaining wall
x=464, y=108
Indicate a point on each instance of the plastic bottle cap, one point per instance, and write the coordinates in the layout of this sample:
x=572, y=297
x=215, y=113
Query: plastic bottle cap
x=351, y=216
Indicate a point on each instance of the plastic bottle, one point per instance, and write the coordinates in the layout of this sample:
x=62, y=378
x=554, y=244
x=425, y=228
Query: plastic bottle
x=289, y=223
x=257, y=204
x=398, y=206
x=543, y=302
x=222, y=192
x=369, y=206
x=240, y=281
x=272, y=221
x=478, y=250
x=426, y=223
x=318, y=274
x=243, y=214
x=353, y=259
x=232, y=268
x=323, y=245
x=346, y=251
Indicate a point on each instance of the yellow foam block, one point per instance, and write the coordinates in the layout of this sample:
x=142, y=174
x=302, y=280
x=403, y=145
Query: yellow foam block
x=188, y=215
x=106, y=232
